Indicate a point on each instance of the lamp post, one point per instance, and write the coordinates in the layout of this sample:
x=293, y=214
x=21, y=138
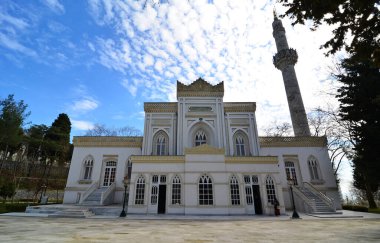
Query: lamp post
x=126, y=184
x=295, y=214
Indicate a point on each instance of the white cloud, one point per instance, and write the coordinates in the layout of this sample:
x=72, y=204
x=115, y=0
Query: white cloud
x=16, y=22
x=14, y=45
x=132, y=88
x=229, y=41
x=85, y=104
x=82, y=125
x=55, y=6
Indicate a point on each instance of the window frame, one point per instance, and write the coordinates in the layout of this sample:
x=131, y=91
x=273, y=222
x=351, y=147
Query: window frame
x=160, y=143
x=176, y=191
x=205, y=191
x=270, y=187
x=140, y=190
x=234, y=191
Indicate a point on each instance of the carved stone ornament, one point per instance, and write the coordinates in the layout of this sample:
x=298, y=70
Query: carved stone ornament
x=104, y=141
x=285, y=58
x=160, y=107
x=204, y=149
x=293, y=141
x=200, y=88
x=239, y=106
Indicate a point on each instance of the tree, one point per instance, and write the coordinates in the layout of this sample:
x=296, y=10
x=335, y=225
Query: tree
x=359, y=95
x=360, y=105
x=359, y=19
x=278, y=130
x=57, y=139
x=340, y=142
x=12, y=118
x=35, y=138
x=7, y=188
x=102, y=130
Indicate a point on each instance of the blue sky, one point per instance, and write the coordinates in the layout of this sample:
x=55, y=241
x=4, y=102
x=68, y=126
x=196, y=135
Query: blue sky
x=99, y=61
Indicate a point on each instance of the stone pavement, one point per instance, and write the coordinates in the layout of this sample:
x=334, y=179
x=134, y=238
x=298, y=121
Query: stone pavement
x=349, y=227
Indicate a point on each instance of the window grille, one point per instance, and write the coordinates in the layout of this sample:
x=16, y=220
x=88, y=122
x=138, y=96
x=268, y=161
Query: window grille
x=176, y=190
x=140, y=191
x=200, y=138
x=271, y=192
x=234, y=190
x=205, y=191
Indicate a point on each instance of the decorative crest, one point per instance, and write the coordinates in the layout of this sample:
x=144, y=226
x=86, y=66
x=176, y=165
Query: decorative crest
x=200, y=88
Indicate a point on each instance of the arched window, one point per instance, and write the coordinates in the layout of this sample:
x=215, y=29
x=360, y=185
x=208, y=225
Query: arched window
x=314, y=168
x=176, y=190
x=290, y=171
x=271, y=191
x=205, y=191
x=234, y=191
x=88, y=165
x=140, y=191
x=241, y=144
x=160, y=143
x=200, y=137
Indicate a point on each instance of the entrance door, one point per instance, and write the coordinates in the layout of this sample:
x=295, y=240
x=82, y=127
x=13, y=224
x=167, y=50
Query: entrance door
x=161, y=198
x=249, y=200
x=257, y=199
x=109, y=173
x=290, y=170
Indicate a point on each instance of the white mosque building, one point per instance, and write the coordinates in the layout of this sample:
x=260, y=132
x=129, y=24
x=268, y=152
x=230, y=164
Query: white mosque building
x=203, y=156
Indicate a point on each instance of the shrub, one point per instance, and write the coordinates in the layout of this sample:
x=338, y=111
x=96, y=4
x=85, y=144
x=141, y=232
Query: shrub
x=13, y=207
x=374, y=210
x=355, y=208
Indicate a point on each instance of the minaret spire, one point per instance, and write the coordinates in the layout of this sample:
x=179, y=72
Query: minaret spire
x=284, y=60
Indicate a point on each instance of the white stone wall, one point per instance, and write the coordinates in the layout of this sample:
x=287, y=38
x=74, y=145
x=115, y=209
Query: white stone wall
x=300, y=155
x=100, y=155
x=190, y=171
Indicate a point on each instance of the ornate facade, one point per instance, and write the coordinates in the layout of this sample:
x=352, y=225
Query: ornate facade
x=201, y=155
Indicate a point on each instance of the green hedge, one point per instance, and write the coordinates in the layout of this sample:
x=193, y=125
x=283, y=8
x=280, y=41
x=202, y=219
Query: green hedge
x=355, y=208
x=13, y=207
x=374, y=210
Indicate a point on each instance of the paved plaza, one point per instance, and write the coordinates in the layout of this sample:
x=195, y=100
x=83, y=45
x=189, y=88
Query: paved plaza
x=354, y=228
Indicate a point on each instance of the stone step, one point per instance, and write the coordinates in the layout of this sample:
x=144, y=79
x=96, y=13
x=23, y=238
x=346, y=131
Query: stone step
x=72, y=213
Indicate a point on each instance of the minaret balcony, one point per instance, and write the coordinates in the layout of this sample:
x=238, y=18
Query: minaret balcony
x=285, y=58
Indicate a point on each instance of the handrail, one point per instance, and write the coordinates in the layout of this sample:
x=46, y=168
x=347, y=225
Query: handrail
x=107, y=192
x=322, y=196
x=88, y=192
x=307, y=201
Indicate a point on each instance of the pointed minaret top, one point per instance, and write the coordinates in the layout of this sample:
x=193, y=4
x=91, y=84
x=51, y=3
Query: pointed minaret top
x=275, y=13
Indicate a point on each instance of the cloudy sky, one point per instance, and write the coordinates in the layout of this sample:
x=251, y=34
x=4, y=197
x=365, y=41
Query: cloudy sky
x=99, y=61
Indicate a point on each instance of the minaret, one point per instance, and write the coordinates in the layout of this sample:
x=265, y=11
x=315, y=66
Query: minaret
x=284, y=60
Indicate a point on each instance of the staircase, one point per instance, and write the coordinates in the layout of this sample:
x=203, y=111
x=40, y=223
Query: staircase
x=95, y=197
x=72, y=213
x=321, y=205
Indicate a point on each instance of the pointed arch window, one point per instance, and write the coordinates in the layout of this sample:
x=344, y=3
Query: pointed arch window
x=205, y=191
x=200, y=137
x=234, y=191
x=314, y=169
x=160, y=143
x=140, y=191
x=271, y=191
x=88, y=165
x=241, y=144
x=176, y=190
